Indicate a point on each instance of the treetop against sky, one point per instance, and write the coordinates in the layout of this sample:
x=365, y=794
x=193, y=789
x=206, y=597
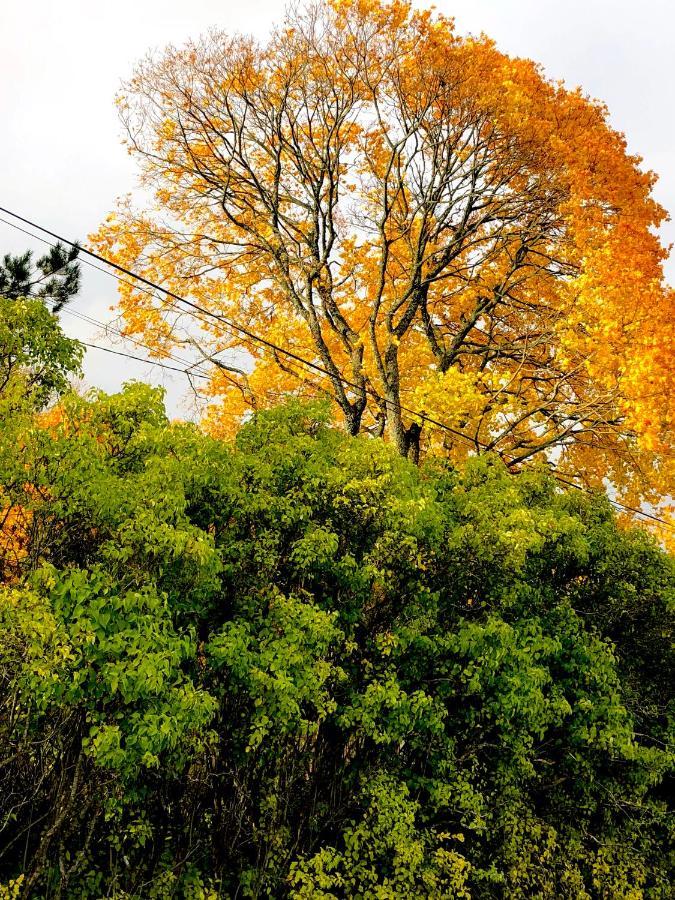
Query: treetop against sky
x=436, y=224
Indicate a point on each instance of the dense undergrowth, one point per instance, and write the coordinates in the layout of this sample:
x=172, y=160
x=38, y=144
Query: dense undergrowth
x=300, y=666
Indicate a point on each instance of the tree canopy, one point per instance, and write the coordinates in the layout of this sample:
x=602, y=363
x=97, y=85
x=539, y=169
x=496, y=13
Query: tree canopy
x=36, y=357
x=37, y=361
x=54, y=277
x=301, y=666
x=434, y=224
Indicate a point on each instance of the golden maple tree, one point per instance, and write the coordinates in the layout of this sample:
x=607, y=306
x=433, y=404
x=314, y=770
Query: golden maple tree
x=436, y=226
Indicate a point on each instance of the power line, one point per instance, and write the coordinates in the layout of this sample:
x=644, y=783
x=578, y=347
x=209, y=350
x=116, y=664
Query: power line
x=201, y=309
x=258, y=339
x=235, y=329
x=145, y=290
x=108, y=326
x=142, y=359
x=232, y=326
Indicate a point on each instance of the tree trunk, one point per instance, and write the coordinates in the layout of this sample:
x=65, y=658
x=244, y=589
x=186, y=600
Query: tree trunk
x=406, y=440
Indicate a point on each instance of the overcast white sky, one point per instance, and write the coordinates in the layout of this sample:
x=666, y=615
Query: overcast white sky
x=62, y=164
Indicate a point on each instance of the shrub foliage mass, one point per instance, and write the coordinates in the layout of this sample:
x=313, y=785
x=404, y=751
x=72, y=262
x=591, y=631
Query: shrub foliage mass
x=299, y=666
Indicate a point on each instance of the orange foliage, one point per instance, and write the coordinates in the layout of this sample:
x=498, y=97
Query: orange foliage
x=15, y=522
x=422, y=216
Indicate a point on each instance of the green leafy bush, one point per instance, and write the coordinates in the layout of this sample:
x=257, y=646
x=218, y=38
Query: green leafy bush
x=300, y=667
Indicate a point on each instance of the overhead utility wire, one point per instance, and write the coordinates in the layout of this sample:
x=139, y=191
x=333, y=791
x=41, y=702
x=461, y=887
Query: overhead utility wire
x=109, y=326
x=233, y=327
x=256, y=338
x=250, y=342
x=143, y=359
x=191, y=367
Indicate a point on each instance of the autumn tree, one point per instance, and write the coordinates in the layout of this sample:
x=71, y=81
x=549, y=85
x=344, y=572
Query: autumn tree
x=437, y=227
